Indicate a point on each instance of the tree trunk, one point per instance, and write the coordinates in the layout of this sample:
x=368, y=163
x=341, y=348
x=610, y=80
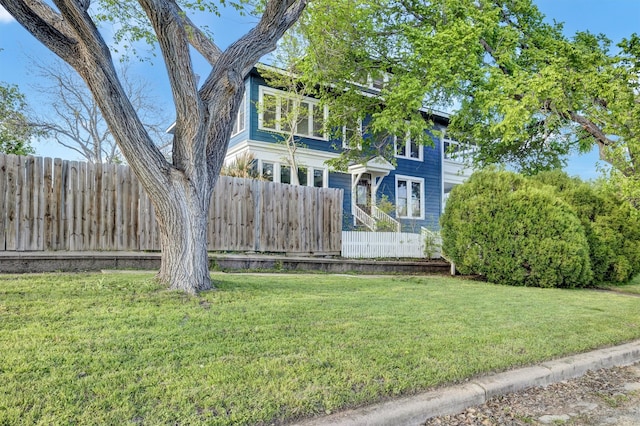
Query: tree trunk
x=182, y=218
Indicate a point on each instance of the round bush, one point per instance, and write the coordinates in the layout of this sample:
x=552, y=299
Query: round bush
x=611, y=226
x=500, y=226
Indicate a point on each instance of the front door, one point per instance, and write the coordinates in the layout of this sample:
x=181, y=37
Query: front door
x=363, y=193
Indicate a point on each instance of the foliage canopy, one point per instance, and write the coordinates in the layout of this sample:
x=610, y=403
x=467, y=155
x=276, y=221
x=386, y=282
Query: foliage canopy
x=15, y=128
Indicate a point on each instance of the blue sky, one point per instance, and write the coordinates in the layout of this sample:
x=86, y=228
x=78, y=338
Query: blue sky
x=615, y=18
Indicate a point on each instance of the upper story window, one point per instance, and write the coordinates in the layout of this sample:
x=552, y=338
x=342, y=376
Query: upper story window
x=281, y=112
x=351, y=132
x=378, y=82
x=239, y=124
x=457, y=151
x=408, y=148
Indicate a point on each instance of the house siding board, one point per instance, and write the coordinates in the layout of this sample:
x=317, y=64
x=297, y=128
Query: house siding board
x=343, y=181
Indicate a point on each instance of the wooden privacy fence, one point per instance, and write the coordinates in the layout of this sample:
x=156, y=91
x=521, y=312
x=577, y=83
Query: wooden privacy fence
x=53, y=204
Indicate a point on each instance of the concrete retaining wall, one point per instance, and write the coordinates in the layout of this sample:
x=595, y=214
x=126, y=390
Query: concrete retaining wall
x=25, y=262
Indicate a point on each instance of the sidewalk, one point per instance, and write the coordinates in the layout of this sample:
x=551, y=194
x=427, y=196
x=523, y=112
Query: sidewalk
x=416, y=409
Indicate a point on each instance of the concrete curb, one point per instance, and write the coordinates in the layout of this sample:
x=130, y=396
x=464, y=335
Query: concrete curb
x=416, y=409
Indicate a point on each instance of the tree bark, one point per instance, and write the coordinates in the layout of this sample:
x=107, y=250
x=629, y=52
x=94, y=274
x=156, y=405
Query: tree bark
x=182, y=216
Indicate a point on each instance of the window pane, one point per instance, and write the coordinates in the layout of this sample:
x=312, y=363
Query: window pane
x=318, y=178
x=401, y=148
x=361, y=195
x=286, y=115
x=285, y=174
x=353, y=130
x=415, y=149
x=239, y=124
x=302, y=175
x=318, y=120
x=416, y=204
x=401, y=198
x=267, y=171
x=302, y=127
x=269, y=111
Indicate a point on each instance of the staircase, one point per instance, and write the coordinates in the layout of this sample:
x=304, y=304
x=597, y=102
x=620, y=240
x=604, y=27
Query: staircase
x=377, y=215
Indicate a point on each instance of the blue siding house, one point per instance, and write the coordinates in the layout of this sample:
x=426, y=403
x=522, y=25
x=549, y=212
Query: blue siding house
x=417, y=185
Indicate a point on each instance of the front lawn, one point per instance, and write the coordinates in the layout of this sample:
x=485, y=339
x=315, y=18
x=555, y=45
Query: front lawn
x=117, y=349
x=632, y=287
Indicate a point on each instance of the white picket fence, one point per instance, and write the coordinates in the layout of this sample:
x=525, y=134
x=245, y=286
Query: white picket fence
x=384, y=245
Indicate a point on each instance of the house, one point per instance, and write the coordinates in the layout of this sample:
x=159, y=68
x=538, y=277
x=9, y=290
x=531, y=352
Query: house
x=417, y=185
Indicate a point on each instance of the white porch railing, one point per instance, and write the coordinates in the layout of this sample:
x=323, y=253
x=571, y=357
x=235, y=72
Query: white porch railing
x=371, y=221
x=382, y=244
x=383, y=217
x=364, y=218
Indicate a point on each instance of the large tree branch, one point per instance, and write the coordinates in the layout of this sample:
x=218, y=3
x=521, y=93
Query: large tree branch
x=44, y=23
x=491, y=51
x=603, y=142
x=199, y=40
x=91, y=58
x=590, y=127
x=223, y=88
x=167, y=21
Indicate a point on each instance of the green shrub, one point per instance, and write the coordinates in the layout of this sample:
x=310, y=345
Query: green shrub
x=501, y=226
x=611, y=226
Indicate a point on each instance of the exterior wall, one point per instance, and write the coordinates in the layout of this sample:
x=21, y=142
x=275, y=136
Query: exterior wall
x=244, y=134
x=343, y=181
x=429, y=169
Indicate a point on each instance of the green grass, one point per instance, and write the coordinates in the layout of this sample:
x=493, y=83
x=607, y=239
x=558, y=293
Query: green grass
x=632, y=287
x=117, y=349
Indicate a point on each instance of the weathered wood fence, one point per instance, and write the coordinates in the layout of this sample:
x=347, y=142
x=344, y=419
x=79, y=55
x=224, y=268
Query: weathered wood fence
x=54, y=204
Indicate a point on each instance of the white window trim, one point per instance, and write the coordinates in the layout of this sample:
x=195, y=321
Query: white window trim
x=241, y=110
x=279, y=95
x=411, y=179
x=407, y=149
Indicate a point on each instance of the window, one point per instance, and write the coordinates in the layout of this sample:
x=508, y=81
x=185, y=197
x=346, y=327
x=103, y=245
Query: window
x=318, y=178
x=379, y=81
x=277, y=172
x=238, y=125
x=302, y=176
x=457, y=151
x=409, y=197
x=267, y=171
x=352, y=130
x=279, y=112
x=408, y=148
x=285, y=174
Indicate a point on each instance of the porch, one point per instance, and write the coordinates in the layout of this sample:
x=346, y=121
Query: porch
x=365, y=181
